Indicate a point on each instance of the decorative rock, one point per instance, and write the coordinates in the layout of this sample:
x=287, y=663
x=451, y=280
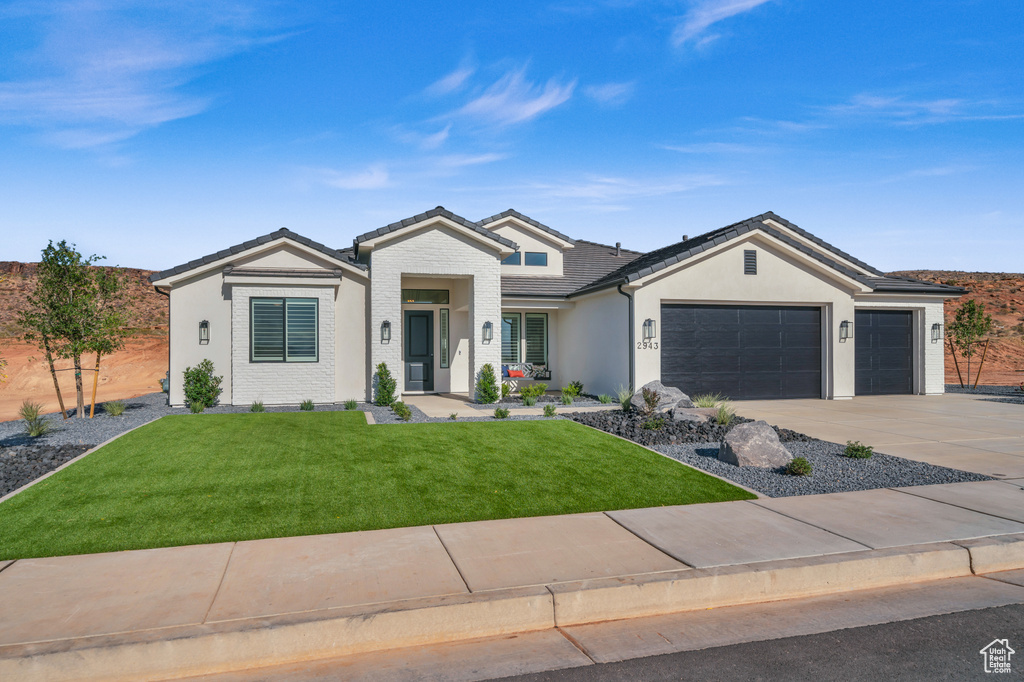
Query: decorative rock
x=683, y=414
x=668, y=397
x=755, y=444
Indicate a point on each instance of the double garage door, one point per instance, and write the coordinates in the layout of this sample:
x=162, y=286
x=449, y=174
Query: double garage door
x=764, y=352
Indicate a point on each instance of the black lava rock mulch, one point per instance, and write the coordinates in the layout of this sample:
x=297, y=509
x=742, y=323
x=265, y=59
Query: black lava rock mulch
x=630, y=425
x=20, y=464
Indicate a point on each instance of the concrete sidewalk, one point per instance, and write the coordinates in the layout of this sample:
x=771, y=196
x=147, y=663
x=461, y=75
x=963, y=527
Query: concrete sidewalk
x=216, y=608
x=442, y=405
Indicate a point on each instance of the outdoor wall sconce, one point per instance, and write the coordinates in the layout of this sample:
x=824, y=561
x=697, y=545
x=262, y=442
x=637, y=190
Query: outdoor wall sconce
x=488, y=331
x=845, y=330
x=937, y=333
x=385, y=331
x=204, y=332
x=650, y=330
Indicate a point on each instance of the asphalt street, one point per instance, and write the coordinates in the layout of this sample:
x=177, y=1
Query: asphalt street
x=936, y=648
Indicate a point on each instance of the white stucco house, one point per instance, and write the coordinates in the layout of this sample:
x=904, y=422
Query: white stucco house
x=756, y=309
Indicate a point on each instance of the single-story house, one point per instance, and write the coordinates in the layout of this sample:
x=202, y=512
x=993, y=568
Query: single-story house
x=757, y=309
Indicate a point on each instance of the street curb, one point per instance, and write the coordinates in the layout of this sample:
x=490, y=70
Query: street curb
x=259, y=642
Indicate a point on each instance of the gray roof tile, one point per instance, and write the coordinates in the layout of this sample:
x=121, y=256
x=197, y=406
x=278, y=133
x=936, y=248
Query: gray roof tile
x=433, y=213
x=512, y=213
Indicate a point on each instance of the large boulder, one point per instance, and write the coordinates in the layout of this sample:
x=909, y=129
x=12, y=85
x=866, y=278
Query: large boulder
x=754, y=444
x=668, y=397
x=688, y=414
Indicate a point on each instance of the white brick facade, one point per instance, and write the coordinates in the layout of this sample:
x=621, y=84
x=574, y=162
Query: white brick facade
x=438, y=251
x=277, y=383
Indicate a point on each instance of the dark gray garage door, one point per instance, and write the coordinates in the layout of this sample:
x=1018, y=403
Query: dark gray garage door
x=753, y=352
x=885, y=352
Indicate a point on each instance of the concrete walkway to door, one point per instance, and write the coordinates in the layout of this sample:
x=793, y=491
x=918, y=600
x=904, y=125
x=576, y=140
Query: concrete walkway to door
x=967, y=432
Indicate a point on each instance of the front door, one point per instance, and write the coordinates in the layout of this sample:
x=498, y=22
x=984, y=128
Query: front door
x=419, y=350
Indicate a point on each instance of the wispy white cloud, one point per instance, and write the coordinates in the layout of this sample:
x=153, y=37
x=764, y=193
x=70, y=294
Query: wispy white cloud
x=463, y=160
x=375, y=176
x=901, y=110
x=513, y=99
x=106, y=70
x=618, y=189
x=713, y=148
x=610, y=94
x=706, y=13
x=450, y=83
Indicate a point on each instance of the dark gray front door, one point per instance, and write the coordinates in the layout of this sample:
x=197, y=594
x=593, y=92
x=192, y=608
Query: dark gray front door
x=885, y=351
x=419, y=350
x=741, y=351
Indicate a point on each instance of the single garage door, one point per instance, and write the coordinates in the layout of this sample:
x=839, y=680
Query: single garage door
x=884, y=351
x=753, y=352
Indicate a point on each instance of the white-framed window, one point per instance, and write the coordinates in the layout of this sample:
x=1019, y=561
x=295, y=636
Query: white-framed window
x=283, y=329
x=536, y=333
x=509, y=337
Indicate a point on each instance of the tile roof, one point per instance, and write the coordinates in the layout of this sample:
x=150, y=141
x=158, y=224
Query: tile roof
x=283, y=233
x=580, y=266
x=433, y=213
x=512, y=213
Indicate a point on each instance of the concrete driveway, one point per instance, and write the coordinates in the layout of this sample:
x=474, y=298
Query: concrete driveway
x=960, y=431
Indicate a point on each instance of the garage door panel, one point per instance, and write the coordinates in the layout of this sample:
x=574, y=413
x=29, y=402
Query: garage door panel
x=884, y=353
x=751, y=352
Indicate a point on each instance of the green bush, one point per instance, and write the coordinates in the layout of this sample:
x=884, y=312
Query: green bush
x=654, y=423
x=402, y=410
x=529, y=401
x=725, y=414
x=307, y=406
x=624, y=394
x=487, y=385
x=707, y=400
x=115, y=408
x=798, y=466
x=351, y=405
x=604, y=399
x=386, y=386
x=858, y=450
x=202, y=388
x=566, y=397
x=35, y=424
x=506, y=390
x=257, y=406
x=577, y=388
x=453, y=416
x=30, y=410
x=549, y=410
x=651, y=400
x=501, y=413
x=533, y=390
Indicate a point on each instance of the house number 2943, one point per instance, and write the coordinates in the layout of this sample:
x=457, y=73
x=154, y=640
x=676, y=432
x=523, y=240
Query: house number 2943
x=647, y=345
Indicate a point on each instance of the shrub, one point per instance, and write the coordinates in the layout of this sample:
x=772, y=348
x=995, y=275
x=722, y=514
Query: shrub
x=654, y=424
x=402, y=410
x=30, y=410
x=501, y=413
x=604, y=399
x=624, y=395
x=798, y=466
x=651, y=399
x=115, y=408
x=707, y=400
x=386, y=386
x=506, y=390
x=566, y=397
x=307, y=406
x=453, y=416
x=351, y=405
x=257, y=406
x=549, y=410
x=533, y=391
x=577, y=387
x=529, y=401
x=857, y=450
x=487, y=385
x=202, y=388
x=35, y=424
x=725, y=414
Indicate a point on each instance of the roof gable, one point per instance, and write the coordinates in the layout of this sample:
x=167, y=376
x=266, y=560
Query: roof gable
x=439, y=212
x=541, y=227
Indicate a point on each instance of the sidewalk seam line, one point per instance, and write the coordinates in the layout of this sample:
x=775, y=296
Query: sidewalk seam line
x=572, y=640
x=220, y=584
x=8, y=566
x=452, y=559
x=651, y=544
x=959, y=506
x=812, y=525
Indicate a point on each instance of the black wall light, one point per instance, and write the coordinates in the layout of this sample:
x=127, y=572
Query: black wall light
x=937, y=333
x=385, y=331
x=488, y=331
x=845, y=330
x=204, y=332
x=650, y=329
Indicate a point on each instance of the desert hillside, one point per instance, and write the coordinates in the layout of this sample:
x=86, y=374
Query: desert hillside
x=1003, y=296
x=134, y=371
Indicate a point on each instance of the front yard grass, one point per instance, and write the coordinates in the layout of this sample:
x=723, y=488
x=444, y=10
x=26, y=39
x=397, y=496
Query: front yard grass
x=192, y=479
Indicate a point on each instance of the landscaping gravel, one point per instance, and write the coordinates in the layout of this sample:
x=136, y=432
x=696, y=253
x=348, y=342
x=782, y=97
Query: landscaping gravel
x=831, y=471
x=1003, y=394
x=629, y=425
x=21, y=464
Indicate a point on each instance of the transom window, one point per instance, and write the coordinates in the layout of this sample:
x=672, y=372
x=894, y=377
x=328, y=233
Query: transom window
x=283, y=329
x=514, y=259
x=436, y=296
x=536, y=258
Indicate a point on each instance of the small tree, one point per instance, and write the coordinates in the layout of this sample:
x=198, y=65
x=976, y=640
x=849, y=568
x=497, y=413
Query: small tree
x=969, y=324
x=487, y=385
x=386, y=386
x=202, y=388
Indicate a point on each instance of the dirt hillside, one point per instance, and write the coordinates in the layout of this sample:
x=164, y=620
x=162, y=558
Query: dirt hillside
x=134, y=371
x=1002, y=294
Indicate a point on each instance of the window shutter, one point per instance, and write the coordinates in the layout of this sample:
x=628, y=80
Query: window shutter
x=267, y=329
x=537, y=338
x=444, y=337
x=301, y=326
x=750, y=262
x=510, y=338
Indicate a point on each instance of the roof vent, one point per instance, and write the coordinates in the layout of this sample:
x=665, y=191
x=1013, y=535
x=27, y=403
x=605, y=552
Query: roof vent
x=685, y=237
x=618, y=248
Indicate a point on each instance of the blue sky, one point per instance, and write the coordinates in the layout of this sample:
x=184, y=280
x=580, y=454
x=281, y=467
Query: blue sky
x=156, y=132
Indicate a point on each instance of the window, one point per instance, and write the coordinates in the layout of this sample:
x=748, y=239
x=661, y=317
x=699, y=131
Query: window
x=283, y=329
x=537, y=338
x=510, y=338
x=514, y=259
x=436, y=296
x=444, y=337
x=750, y=262
x=536, y=258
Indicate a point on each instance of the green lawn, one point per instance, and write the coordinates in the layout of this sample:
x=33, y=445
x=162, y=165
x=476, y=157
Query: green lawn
x=210, y=478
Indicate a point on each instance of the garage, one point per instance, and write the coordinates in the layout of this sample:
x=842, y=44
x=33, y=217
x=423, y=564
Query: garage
x=742, y=352
x=884, y=352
